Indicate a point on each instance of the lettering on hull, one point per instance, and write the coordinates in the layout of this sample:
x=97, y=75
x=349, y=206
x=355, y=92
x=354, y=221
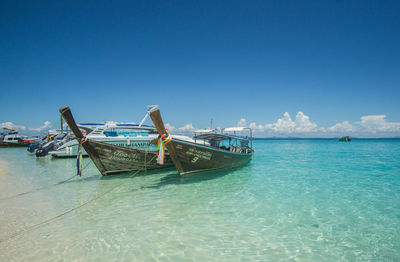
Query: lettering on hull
x=140, y=145
x=198, y=154
x=122, y=156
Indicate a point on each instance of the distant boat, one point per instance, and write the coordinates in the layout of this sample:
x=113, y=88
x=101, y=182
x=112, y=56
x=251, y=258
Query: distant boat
x=110, y=158
x=44, y=141
x=54, y=143
x=11, y=138
x=208, y=151
x=345, y=139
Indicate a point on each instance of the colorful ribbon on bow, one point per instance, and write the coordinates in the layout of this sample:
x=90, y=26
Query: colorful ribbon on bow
x=162, y=141
x=79, y=157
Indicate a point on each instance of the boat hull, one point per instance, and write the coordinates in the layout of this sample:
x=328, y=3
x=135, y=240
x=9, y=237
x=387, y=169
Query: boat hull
x=70, y=149
x=195, y=158
x=10, y=144
x=112, y=159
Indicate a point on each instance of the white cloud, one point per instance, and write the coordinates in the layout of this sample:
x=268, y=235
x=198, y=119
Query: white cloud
x=242, y=122
x=187, y=128
x=303, y=124
x=369, y=126
x=46, y=125
x=378, y=123
x=170, y=127
x=282, y=125
x=12, y=125
x=257, y=128
x=286, y=125
x=342, y=127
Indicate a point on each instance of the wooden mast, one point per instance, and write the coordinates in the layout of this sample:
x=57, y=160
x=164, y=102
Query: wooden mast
x=159, y=124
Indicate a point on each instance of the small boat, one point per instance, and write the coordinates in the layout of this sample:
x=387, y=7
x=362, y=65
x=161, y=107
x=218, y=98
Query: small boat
x=110, y=158
x=208, y=151
x=51, y=134
x=345, y=139
x=54, y=143
x=11, y=138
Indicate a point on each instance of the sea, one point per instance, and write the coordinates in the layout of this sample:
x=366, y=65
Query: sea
x=297, y=200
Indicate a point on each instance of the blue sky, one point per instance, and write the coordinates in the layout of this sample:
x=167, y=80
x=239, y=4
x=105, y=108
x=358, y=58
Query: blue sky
x=259, y=61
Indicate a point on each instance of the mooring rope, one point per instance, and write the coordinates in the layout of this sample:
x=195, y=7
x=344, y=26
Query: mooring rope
x=29, y=228
x=45, y=187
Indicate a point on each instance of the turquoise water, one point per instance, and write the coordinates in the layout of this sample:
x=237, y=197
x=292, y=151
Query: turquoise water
x=298, y=200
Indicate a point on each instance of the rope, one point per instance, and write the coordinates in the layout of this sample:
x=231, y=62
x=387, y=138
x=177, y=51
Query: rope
x=45, y=187
x=29, y=228
x=79, y=157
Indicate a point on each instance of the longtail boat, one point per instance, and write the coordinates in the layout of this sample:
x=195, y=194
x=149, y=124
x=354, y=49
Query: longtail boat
x=111, y=159
x=208, y=151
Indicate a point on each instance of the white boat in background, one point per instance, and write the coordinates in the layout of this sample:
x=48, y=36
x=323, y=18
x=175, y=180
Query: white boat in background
x=124, y=135
x=53, y=143
x=11, y=138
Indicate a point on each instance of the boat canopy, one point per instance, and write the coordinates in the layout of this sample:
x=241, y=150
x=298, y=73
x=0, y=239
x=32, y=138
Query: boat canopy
x=217, y=137
x=134, y=125
x=236, y=129
x=204, y=130
x=91, y=124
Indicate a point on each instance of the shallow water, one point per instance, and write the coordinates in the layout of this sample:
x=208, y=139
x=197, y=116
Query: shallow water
x=300, y=200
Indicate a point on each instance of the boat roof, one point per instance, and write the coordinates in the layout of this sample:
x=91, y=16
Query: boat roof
x=135, y=125
x=102, y=124
x=204, y=130
x=9, y=129
x=236, y=129
x=217, y=137
x=92, y=124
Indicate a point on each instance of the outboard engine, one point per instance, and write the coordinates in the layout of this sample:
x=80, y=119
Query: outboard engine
x=33, y=147
x=45, y=149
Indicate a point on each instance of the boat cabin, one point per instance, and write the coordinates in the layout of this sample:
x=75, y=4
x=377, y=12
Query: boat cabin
x=11, y=136
x=232, y=143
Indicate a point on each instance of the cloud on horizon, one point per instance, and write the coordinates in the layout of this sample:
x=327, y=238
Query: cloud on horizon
x=302, y=126
x=378, y=123
x=12, y=125
x=369, y=126
x=46, y=126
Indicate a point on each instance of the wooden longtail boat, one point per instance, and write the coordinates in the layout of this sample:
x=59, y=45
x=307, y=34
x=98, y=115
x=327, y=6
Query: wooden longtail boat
x=111, y=159
x=207, y=154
